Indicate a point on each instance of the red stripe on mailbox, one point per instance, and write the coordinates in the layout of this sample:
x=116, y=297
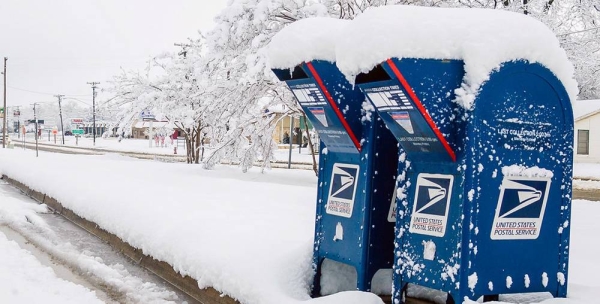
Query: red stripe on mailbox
x=421, y=108
x=333, y=105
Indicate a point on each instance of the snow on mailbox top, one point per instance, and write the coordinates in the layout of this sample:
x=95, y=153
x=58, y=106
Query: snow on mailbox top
x=482, y=38
x=305, y=40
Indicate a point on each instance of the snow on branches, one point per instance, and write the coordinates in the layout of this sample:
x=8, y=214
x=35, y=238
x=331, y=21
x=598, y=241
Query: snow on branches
x=218, y=90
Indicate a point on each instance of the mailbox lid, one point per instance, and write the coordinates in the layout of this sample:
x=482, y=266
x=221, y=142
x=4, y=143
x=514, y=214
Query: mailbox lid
x=330, y=102
x=414, y=98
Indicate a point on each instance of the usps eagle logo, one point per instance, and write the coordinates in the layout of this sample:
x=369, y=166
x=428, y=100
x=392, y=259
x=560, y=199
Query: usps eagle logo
x=344, y=178
x=431, y=204
x=520, y=210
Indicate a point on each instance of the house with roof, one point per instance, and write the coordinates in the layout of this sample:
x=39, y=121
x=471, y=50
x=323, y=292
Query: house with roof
x=587, y=130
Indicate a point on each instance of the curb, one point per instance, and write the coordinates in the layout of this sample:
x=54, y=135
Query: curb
x=162, y=269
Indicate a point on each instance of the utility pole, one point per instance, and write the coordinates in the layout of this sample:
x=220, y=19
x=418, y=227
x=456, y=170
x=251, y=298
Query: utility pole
x=4, y=108
x=36, y=130
x=184, y=47
x=61, y=120
x=18, y=121
x=94, y=109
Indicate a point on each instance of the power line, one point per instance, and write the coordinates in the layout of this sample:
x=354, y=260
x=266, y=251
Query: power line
x=77, y=99
x=42, y=93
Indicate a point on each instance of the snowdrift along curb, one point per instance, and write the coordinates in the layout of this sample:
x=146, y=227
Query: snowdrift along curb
x=160, y=268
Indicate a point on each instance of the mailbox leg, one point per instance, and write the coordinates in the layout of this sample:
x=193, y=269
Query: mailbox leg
x=316, y=288
x=362, y=280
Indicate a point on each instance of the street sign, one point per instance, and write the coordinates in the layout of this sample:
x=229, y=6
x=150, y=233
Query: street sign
x=77, y=132
x=146, y=115
x=76, y=121
x=32, y=121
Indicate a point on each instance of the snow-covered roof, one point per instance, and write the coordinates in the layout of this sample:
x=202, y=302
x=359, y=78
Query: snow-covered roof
x=585, y=108
x=305, y=40
x=482, y=38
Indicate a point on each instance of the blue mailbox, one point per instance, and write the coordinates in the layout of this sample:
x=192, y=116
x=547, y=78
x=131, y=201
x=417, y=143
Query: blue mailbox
x=486, y=192
x=357, y=172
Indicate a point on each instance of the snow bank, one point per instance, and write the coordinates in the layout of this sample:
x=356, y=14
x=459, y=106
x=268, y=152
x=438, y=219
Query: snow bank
x=305, y=40
x=26, y=280
x=22, y=215
x=250, y=236
x=586, y=171
x=483, y=38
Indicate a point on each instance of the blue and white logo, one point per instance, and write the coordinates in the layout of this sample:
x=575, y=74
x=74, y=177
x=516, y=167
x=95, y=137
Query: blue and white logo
x=344, y=178
x=431, y=204
x=520, y=210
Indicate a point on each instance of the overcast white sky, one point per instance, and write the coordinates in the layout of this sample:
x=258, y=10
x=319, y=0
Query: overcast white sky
x=55, y=47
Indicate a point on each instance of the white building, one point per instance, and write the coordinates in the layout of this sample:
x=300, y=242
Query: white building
x=587, y=131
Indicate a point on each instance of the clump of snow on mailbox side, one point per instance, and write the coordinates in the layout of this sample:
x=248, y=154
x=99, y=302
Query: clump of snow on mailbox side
x=482, y=38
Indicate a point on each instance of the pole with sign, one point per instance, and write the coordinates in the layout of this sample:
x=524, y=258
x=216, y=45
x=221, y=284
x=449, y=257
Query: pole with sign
x=148, y=116
x=23, y=131
x=54, y=132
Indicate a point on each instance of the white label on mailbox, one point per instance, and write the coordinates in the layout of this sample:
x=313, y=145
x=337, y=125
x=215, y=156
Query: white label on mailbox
x=344, y=179
x=431, y=204
x=521, y=207
x=309, y=96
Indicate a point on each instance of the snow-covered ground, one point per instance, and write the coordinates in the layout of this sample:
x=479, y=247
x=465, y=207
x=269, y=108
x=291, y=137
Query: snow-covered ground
x=588, y=176
x=142, y=146
x=23, y=279
x=247, y=235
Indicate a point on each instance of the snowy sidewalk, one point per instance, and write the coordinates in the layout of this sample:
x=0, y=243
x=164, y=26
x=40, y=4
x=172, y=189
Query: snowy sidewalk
x=247, y=235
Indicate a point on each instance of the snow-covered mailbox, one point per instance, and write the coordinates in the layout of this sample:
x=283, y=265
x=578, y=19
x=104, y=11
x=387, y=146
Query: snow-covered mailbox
x=479, y=101
x=358, y=157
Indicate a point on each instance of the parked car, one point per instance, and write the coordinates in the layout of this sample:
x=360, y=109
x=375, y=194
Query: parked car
x=68, y=133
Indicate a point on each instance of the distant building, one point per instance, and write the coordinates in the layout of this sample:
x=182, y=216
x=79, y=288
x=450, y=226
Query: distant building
x=283, y=132
x=101, y=127
x=587, y=130
x=140, y=128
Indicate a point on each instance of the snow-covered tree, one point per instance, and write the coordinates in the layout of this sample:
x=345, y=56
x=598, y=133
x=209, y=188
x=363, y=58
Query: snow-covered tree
x=577, y=25
x=236, y=48
x=221, y=88
x=177, y=88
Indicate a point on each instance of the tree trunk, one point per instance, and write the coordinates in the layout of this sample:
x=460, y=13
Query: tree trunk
x=188, y=147
x=197, y=147
x=312, y=151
